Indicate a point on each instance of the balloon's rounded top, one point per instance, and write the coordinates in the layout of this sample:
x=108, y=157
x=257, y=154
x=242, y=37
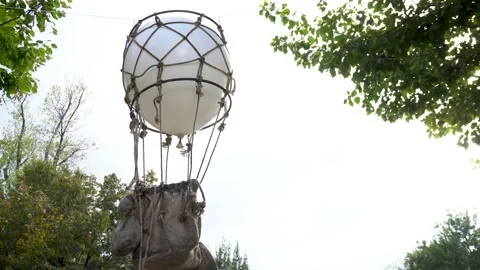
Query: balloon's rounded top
x=176, y=71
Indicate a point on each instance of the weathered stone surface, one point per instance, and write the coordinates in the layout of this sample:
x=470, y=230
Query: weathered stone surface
x=126, y=237
x=208, y=262
x=171, y=219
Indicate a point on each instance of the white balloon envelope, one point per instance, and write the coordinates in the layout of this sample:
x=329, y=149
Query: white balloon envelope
x=176, y=72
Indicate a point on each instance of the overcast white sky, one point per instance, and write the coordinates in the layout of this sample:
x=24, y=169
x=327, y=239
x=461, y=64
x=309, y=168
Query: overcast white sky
x=301, y=180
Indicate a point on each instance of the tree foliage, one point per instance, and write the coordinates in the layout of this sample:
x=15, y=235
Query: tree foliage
x=62, y=110
x=407, y=59
x=50, y=135
x=21, y=54
x=19, y=142
x=455, y=246
x=57, y=217
x=228, y=259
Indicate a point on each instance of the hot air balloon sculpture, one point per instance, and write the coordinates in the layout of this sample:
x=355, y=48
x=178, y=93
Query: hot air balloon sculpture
x=178, y=82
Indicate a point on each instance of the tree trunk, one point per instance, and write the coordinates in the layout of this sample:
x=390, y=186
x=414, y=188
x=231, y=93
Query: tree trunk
x=18, y=159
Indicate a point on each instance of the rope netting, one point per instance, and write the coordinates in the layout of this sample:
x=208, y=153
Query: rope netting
x=139, y=127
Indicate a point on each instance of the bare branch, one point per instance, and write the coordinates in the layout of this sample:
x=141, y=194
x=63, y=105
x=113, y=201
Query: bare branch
x=67, y=124
x=57, y=105
x=62, y=109
x=74, y=152
x=33, y=149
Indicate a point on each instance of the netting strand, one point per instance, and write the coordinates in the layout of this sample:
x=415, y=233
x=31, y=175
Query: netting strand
x=222, y=102
x=168, y=142
x=158, y=118
x=221, y=128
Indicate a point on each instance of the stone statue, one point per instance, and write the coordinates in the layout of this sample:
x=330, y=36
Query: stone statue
x=170, y=216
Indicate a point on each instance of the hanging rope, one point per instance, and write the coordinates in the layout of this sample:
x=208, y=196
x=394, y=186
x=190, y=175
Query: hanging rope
x=199, y=93
x=158, y=109
x=211, y=136
x=154, y=208
x=221, y=128
x=167, y=143
x=135, y=130
x=136, y=126
x=231, y=90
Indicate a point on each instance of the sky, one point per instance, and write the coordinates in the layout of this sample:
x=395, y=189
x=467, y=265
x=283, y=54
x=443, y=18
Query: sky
x=299, y=179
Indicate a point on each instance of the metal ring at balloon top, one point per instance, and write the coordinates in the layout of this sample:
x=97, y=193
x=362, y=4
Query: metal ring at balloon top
x=179, y=11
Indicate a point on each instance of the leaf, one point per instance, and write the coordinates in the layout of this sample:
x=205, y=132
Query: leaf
x=407, y=59
x=20, y=44
x=332, y=72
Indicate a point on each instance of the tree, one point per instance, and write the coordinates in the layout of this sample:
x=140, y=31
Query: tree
x=19, y=141
x=111, y=191
x=51, y=136
x=228, y=260
x=62, y=108
x=455, y=246
x=56, y=217
x=21, y=54
x=408, y=59
x=50, y=214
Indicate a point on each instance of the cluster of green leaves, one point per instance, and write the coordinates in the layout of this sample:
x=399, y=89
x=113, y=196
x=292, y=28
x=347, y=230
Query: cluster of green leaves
x=21, y=53
x=456, y=246
x=19, y=140
x=226, y=259
x=57, y=217
x=407, y=59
